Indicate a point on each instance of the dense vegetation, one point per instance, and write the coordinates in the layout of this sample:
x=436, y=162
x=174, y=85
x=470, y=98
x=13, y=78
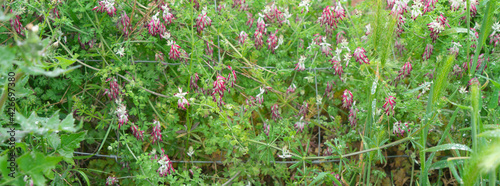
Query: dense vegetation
x=250, y=92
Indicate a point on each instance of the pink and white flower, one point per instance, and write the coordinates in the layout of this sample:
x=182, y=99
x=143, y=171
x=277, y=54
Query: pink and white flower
x=267, y=128
x=300, y=65
x=258, y=42
x=337, y=66
x=156, y=132
x=242, y=37
x=155, y=27
x=454, y=48
x=106, y=6
x=137, y=133
x=399, y=128
x=299, y=125
x=114, y=90
x=121, y=113
x=260, y=97
x=427, y=52
x=275, y=112
x=249, y=23
x=353, y=120
x=437, y=26
x=175, y=52
x=325, y=47
x=202, y=21
x=360, y=56
x=124, y=23
x=272, y=42
x=167, y=16
x=182, y=102
x=390, y=102
x=166, y=167
x=291, y=89
x=347, y=99
x=16, y=24
x=304, y=109
x=111, y=180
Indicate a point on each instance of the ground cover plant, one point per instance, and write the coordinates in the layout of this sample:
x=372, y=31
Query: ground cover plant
x=197, y=92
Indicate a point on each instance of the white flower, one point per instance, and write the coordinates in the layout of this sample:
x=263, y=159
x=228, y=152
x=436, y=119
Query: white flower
x=180, y=94
x=495, y=27
x=121, y=52
x=190, y=151
x=286, y=153
x=462, y=90
x=165, y=35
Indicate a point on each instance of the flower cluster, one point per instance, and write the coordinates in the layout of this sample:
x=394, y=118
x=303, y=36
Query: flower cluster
x=193, y=84
x=331, y=16
x=299, y=125
x=495, y=36
x=272, y=14
x=360, y=56
x=114, y=91
x=258, y=39
x=121, y=113
x=231, y=77
x=209, y=50
x=182, y=102
x=111, y=180
x=427, y=52
x=300, y=65
x=325, y=47
x=337, y=66
x=175, y=51
x=353, y=112
x=124, y=24
x=399, y=128
x=267, y=128
x=242, y=37
x=347, y=99
x=155, y=27
x=16, y=24
x=137, y=133
x=304, y=4
x=390, y=102
x=219, y=86
x=399, y=7
x=437, y=26
x=167, y=16
x=415, y=9
x=275, y=112
x=272, y=41
x=400, y=48
x=166, y=167
x=106, y=6
x=454, y=48
x=156, y=132
x=260, y=97
x=430, y=5
x=328, y=91
x=304, y=109
x=249, y=23
x=480, y=61
x=202, y=21
x=403, y=73
x=291, y=89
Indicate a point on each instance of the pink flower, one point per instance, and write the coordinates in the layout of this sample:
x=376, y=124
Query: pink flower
x=202, y=21
x=400, y=7
x=114, y=90
x=249, y=23
x=166, y=167
x=111, y=180
x=124, y=23
x=473, y=38
x=155, y=27
x=121, y=113
x=473, y=8
x=360, y=56
x=232, y=76
x=159, y=56
x=299, y=125
x=258, y=39
x=353, y=112
x=390, y=102
x=300, y=65
x=193, y=85
x=400, y=48
x=304, y=109
x=221, y=7
x=182, y=102
x=261, y=26
x=291, y=89
x=331, y=16
x=260, y=97
x=340, y=36
x=347, y=99
x=437, y=27
x=174, y=53
x=454, y=48
x=167, y=16
x=337, y=177
x=325, y=48
x=137, y=133
x=156, y=132
x=242, y=37
x=480, y=61
x=218, y=89
x=209, y=50
x=455, y=4
x=16, y=24
x=267, y=128
x=337, y=66
x=430, y=5
x=427, y=52
x=404, y=72
x=457, y=71
x=275, y=112
x=399, y=128
x=106, y=6
x=328, y=90
x=272, y=42
x=495, y=39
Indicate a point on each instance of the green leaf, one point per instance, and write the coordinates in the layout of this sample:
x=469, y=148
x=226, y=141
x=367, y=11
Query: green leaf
x=54, y=140
x=35, y=163
x=453, y=31
x=450, y=146
x=453, y=170
x=491, y=134
x=69, y=143
x=65, y=62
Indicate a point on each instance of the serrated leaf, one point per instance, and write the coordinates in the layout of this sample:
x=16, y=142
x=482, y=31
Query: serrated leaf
x=69, y=142
x=54, y=140
x=451, y=146
x=35, y=163
x=65, y=62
